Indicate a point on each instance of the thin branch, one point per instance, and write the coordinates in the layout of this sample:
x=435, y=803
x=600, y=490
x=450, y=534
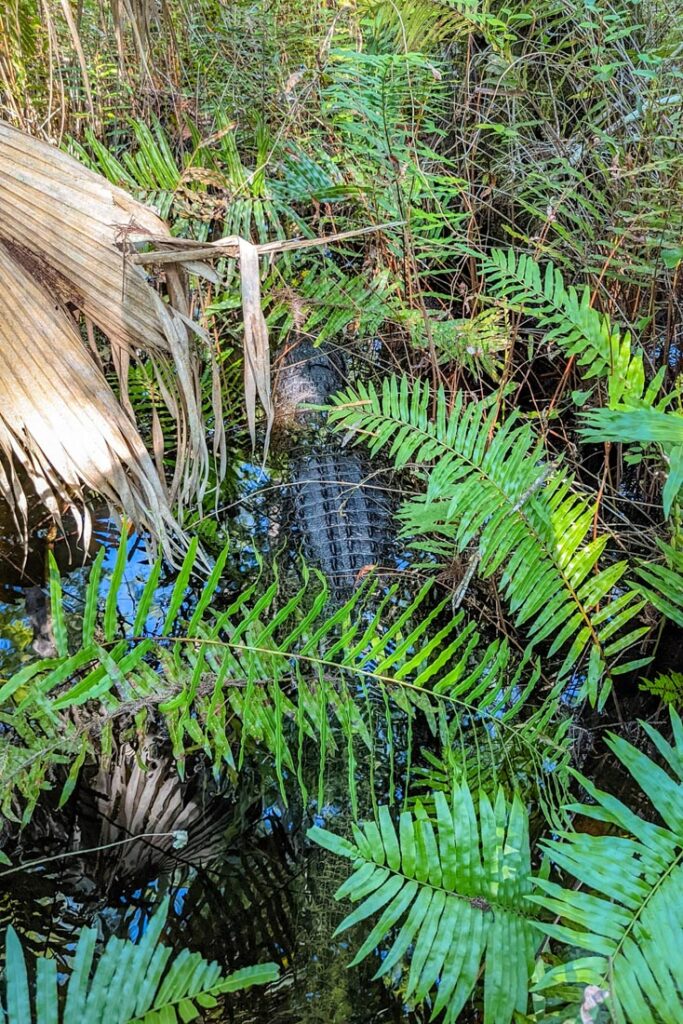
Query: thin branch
x=184, y=250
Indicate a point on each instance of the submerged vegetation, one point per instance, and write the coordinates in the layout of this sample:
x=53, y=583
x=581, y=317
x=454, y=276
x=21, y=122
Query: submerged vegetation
x=366, y=319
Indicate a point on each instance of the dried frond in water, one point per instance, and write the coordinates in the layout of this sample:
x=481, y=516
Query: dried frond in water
x=139, y=793
x=65, y=234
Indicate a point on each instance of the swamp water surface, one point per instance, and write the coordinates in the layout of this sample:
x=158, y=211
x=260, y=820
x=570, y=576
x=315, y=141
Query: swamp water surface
x=244, y=885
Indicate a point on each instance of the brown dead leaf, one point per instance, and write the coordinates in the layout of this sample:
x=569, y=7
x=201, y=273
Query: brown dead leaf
x=256, y=347
x=67, y=236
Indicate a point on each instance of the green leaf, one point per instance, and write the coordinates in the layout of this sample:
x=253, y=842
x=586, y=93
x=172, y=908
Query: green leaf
x=663, y=584
x=569, y=320
x=131, y=984
x=247, y=977
x=57, y=609
x=674, y=480
x=17, y=1004
x=432, y=897
x=625, y=424
x=630, y=918
x=92, y=598
x=111, y=603
x=74, y=772
x=672, y=257
x=180, y=587
x=489, y=487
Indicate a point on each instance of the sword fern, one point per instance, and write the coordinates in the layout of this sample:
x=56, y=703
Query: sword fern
x=125, y=984
x=491, y=485
x=454, y=895
x=627, y=912
x=569, y=319
x=272, y=671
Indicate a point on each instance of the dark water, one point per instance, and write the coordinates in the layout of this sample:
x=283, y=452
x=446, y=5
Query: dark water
x=246, y=890
x=245, y=887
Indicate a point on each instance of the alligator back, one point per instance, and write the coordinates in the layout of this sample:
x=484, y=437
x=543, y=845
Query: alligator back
x=341, y=518
x=306, y=376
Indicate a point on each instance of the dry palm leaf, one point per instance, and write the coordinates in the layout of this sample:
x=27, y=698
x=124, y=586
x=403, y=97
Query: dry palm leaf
x=256, y=348
x=59, y=419
x=67, y=241
x=65, y=235
x=175, y=251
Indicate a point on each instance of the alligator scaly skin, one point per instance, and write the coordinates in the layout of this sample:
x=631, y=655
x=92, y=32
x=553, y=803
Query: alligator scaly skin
x=342, y=516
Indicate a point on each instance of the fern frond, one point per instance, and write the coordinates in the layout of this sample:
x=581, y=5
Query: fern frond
x=455, y=896
x=653, y=426
x=372, y=100
x=646, y=425
x=412, y=25
x=478, y=343
x=663, y=584
x=196, y=189
x=628, y=914
x=491, y=485
x=493, y=757
x=667, y=687
x=323, y=305
x=425, y=25
x=266, y=671
x=601, y=351
x=570, y=321
x=126, y=984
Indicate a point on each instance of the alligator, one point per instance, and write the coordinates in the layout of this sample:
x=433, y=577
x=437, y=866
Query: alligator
x=341, y=513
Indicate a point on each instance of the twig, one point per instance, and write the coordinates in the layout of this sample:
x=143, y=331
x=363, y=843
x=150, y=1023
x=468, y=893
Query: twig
x=184, y=250
x=93, y=849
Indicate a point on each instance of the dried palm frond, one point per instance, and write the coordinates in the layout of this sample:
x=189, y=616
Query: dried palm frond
x=70, y=243
x=59, y=419
x=140, y=794
x=65, y=235
x=177, y=251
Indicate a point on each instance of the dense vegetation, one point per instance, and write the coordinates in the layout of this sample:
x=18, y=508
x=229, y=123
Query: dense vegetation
x=485, y=205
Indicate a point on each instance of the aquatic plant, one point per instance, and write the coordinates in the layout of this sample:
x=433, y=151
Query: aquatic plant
x=456, y=896
x=124, y=983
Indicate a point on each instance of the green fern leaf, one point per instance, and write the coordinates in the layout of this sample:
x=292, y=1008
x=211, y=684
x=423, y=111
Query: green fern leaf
x=280, y=674
x=453, y=897
x=667, y=687
x=570, y=321
x=628, y=913
x=647, y=426
x=663, y=584
x=489, y=485
x=126, y=984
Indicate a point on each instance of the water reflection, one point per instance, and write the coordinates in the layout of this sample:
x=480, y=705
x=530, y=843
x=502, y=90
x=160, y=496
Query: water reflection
x=244, y=886
x=25, y=630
